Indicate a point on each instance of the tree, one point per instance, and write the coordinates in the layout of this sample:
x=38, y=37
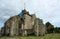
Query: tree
x=57, y=29
x=49, y=27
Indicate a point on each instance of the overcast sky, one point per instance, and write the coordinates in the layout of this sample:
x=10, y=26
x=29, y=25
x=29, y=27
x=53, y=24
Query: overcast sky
x=48, y=10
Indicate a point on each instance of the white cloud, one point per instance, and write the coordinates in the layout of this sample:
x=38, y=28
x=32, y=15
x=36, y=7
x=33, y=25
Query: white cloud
x=48, y=10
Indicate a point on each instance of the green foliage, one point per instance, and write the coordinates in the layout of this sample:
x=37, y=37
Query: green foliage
x=49, y=27
x=57, y=29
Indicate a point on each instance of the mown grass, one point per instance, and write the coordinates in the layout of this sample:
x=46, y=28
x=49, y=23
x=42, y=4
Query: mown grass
x=47, y=36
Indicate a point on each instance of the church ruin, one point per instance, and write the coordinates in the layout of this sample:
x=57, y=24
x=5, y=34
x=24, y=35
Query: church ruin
x=23, y=24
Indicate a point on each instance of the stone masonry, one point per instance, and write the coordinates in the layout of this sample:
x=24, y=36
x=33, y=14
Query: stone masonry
x=23, y=25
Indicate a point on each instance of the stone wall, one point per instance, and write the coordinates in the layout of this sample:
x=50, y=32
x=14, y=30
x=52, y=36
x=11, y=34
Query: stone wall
x=13, y=25
x=23, y=25
x=39, y=27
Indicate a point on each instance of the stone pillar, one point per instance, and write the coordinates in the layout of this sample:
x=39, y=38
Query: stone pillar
x=22, y=30
x=25, y=32
x=37, y=29
x=12, y=30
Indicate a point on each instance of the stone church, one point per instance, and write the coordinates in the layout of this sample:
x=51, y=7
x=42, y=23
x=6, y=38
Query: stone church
x=23, y=24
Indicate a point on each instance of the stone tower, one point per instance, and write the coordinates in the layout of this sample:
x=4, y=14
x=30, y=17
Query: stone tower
x=28, y=23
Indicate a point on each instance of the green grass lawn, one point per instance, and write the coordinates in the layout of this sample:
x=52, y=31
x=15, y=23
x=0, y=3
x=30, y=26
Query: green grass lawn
x=47, y=36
